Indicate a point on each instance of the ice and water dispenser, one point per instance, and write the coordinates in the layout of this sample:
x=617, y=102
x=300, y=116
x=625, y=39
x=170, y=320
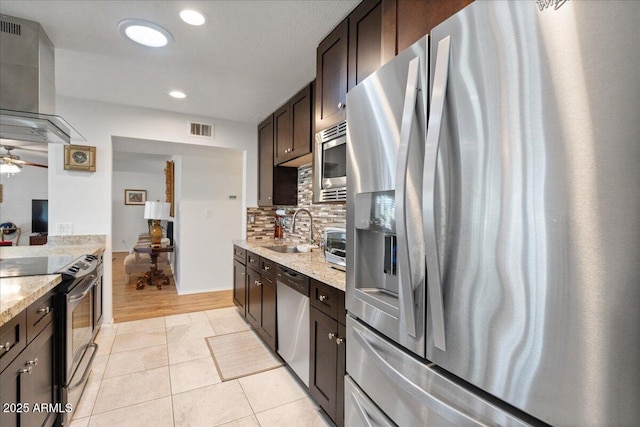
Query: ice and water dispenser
x=376, y=249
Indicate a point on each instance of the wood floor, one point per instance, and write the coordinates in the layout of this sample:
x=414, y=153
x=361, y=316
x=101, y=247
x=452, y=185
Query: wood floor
x=132, y=304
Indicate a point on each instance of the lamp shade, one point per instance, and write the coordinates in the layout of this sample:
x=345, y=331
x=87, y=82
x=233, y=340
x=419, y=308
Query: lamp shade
x=157, y=210
x=9, y=168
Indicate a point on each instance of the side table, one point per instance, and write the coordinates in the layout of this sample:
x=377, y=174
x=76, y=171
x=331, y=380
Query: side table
x=153, y=276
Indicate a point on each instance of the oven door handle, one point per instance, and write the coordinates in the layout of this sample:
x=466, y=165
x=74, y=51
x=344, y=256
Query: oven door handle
x=93, y=281
x=88, y=370
x=76, y=298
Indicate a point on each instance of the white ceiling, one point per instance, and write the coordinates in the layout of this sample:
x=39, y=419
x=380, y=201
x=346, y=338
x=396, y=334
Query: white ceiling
x=245, y=62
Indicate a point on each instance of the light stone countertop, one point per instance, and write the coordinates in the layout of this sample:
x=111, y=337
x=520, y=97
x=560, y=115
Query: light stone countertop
x=310, y=264
x=17, y=293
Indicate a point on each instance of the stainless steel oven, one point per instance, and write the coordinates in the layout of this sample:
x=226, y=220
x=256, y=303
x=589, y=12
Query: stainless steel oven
x=330, y=164
x=77, y=332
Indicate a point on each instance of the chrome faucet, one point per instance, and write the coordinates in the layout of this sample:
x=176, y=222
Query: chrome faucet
x=293, y=223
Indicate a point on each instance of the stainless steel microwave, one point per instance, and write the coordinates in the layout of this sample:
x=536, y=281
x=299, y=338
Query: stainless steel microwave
x=330, y=164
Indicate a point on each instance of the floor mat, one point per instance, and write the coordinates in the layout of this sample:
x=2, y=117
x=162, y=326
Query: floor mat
x=240, y=354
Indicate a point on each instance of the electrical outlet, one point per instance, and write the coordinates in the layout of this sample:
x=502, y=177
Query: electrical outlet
x=64, y=228
x=252, y=219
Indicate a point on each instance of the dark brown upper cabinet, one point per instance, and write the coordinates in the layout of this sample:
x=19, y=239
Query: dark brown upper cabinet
x=416, y=18
x=282, y=135
x=372, y=39
x=276, y=185
x=293, y=134
x=331, y=78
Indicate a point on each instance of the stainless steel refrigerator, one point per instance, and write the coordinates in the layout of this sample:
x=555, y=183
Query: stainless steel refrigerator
x=493, y=250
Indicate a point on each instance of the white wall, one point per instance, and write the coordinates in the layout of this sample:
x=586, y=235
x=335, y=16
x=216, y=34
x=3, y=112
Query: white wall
x=209, y=220
x=89, y=210
x=128, y=220
x=17, y=192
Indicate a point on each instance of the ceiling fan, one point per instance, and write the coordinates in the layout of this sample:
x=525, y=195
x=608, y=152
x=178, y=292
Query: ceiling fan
x=10, y=163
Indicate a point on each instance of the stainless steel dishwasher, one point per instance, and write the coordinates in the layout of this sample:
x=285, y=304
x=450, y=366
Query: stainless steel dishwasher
x=293, y=320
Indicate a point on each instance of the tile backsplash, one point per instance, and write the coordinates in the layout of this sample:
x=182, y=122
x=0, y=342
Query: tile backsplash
x=324, y=214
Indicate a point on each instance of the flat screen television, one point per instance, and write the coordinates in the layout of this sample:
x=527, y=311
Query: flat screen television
x=39, y=216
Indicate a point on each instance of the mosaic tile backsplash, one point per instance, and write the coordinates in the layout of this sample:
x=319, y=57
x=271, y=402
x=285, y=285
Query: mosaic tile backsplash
x=330, y=214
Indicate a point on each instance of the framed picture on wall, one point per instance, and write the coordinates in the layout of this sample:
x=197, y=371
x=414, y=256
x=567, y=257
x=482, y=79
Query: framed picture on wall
x=135, y=197
x=80, y=158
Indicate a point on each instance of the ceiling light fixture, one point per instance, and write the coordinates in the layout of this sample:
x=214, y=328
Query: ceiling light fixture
x=178, y=94
x=9, y=168
x=193, y=17
x=144, y=32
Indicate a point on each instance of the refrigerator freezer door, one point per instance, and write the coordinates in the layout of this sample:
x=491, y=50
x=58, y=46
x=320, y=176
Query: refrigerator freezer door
x=359, y=410
x=539, y=254
x=409, y=392
x=386, y=127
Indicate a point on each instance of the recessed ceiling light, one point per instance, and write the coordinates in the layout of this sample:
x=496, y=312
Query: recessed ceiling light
x=193, y=17
x=178, y=94
x=144, y=32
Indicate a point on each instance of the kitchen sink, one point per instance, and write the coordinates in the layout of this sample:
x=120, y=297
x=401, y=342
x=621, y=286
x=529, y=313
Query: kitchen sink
x=284, y=249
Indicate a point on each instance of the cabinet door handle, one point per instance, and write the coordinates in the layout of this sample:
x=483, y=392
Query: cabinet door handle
x=331, y=335
x=33, y=362
x=45, y=310
x=339, y=341
x=266, y=268
x=322, y=298
x=341, y=105
x=26, y=370
x=257, y=282
x=6, y=347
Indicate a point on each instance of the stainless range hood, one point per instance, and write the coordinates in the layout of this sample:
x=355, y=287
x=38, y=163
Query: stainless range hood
x=27, y=85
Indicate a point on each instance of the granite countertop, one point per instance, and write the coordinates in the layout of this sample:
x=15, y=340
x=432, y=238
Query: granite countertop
x=17, y=293
x=310, y=264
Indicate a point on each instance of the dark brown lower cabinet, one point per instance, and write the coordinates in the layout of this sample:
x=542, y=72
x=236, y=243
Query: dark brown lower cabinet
x=268, y=326
x=261, y=298
x=27, y=386
x=254, y=298
x=327, y=364
x=240, y=286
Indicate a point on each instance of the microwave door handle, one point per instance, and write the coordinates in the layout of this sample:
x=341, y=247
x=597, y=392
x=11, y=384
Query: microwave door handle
x=410, y=261
x=432, y=146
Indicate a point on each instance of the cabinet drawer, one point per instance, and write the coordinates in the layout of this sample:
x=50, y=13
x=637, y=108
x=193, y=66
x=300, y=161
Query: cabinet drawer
x=327, y=299
x=239, y=254
x=268, y=269
x=253, y=261
x=39, y=314
x=13, y=339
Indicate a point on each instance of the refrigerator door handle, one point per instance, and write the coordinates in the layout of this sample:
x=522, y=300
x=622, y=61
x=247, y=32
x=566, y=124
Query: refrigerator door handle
x=409, y=270
x=425, y=398
x=434, y=128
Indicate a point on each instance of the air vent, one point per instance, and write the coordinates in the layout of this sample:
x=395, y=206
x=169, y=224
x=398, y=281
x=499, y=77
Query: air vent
x=9, y=27
x=201, y=129
x=333, y=195
x=333, y=132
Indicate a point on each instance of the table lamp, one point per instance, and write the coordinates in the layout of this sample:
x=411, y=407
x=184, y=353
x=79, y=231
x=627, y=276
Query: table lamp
x=156, y=212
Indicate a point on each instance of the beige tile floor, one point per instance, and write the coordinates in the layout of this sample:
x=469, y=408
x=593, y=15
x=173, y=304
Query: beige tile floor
x=159, y=372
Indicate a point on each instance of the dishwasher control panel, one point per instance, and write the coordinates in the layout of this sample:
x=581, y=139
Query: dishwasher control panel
x=293, y=279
